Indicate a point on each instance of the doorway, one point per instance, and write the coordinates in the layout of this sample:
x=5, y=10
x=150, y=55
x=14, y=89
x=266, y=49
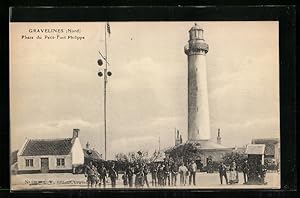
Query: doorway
x=44, y=165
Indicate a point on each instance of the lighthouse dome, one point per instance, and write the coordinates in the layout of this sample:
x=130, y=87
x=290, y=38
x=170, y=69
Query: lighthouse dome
x=196, y=32
x=196, y=27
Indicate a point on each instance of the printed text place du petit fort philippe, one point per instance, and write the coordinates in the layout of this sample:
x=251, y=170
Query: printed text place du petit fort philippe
x=52, y=34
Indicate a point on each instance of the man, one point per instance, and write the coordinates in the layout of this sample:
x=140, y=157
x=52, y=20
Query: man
x=262, y=170
x=146, y=171
x=136, y=172
x=183, y=173
x=103, y=175
x=113, y=174
x=160, y=175
x=167, y=175
x=140, y=176
x=96, y=178
x=174, y=172
x=222, y=172
x=154, y=174
x=245, y=169
x=129, y=173
x=192, y=170
x=125, y=179
x=89, y=167
x=88, y=173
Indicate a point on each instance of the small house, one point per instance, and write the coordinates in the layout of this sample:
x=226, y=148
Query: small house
x=272, y=148
x=50, y=155
x=255, y=154
x=91, y=155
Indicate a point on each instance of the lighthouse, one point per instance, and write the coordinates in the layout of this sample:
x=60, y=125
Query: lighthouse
x=198, y=107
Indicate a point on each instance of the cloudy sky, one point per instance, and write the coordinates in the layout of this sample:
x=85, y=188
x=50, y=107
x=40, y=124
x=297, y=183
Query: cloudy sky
x=55, y=87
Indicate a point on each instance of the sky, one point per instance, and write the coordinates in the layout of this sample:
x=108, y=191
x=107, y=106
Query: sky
x=54, y=85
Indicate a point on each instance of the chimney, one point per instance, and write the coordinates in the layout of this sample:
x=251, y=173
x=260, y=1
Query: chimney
x=75, y=133
x=87, y=145
x=180, y=139
x=177, y=139
x=219, y=137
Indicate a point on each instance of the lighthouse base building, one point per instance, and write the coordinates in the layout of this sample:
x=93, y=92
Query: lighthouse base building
x=209, y=151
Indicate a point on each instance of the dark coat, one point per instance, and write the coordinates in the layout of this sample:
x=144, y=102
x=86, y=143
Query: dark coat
x=129, y=172
x=102, y=172
x=222, y=168
x=113, y=173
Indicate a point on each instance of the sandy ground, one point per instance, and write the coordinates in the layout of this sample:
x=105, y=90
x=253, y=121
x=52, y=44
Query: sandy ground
x=70, y=181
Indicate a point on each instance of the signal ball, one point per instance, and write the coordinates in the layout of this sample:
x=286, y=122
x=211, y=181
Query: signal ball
x=100, y=74
x=100, y=62
x=109, y=73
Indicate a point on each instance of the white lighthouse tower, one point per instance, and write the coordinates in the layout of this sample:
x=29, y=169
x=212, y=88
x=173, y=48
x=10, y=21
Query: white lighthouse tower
x=198, y=108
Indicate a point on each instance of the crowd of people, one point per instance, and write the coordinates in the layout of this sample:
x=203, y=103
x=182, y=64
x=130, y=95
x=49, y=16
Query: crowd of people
x=136, y=175
x=253, y=173
x=233, y=173
x=165, y=174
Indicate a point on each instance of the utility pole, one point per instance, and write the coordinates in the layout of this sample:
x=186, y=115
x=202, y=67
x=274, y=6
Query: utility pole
x=105, y=74
x=104, y=100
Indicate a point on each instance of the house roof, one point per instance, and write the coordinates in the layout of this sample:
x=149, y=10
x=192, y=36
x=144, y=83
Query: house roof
x=13, y=157
x=240, y=149
x=93, y=154
x=202, y=145
x=270, y=149
x=255, y=149
x=210, y=145
x=35, y=147
x=265, y=141
x=269, y=143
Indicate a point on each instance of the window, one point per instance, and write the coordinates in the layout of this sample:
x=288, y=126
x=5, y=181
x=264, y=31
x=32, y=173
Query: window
x=196, y=33
x=60, y=162
x=29, y=162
